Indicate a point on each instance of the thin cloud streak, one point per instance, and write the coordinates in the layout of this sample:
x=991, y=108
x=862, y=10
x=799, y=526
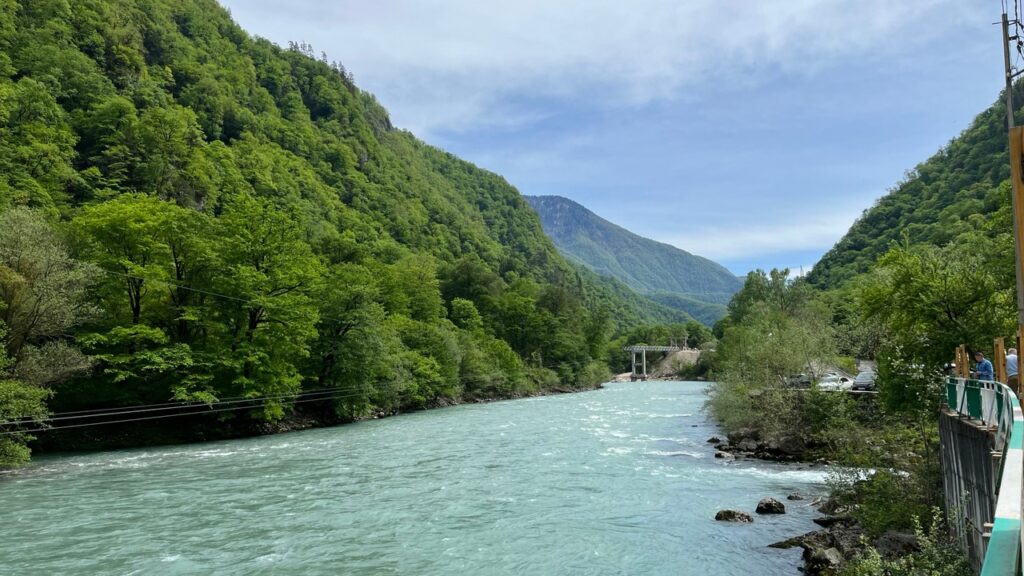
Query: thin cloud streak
x=809, y=232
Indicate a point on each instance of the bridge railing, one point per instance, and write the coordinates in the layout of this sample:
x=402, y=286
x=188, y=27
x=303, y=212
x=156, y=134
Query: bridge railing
x=996, y=406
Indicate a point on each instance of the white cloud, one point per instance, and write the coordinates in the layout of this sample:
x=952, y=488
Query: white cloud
x=461, y=64
x=807, y=232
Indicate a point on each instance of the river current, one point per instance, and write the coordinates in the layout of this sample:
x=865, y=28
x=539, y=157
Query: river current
x=614, y=481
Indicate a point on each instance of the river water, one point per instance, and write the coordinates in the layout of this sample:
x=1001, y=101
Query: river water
x=615, y=481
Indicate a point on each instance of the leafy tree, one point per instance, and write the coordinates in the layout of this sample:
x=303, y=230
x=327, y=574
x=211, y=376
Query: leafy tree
x=165, y=141
x=105, y=144
x=137, y=354
x=42, y=297
x=270, y=316
x=354, y=350
x=465, y=315
x=697, y=334
x=42, y=289
x=124, y=237
x=36, y=146
x=930, y=300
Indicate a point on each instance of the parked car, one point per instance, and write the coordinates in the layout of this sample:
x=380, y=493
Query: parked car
x=832, y=381
x=864, y=381
x=798, y=381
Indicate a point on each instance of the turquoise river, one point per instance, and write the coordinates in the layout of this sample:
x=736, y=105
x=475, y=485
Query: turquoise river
x=614, y=481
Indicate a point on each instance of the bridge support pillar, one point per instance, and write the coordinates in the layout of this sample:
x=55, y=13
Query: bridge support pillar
x=640, y=367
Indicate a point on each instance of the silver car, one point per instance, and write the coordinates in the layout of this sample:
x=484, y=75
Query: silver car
x=833, y=381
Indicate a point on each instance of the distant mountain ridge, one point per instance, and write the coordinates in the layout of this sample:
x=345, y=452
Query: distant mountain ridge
x=664, y=273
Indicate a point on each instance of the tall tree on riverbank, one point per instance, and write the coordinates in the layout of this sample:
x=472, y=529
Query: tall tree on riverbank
x=42, y=299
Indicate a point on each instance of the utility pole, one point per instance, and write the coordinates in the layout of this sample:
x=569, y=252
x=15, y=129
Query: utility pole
x=1016, y=176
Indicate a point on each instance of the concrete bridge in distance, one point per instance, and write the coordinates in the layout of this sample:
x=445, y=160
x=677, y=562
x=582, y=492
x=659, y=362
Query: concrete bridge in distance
x=640, y=368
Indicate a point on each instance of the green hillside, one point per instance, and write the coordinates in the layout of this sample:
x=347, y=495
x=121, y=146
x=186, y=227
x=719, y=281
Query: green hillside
x=953, y=192
x=662, y=272
x=198, y=214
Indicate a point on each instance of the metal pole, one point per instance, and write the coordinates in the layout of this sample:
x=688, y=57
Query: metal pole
x=1017, y=193
x=1009, y=71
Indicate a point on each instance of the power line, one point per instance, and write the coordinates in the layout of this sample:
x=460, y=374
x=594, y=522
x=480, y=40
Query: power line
x=173, y=406
x=193, y=413
x=165, y=406
x=160, y=407
x=186, y=402
x=195, y=409
x=129, y=407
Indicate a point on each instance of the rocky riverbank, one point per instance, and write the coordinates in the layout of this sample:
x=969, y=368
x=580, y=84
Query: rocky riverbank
x=840, y=538
x=748, y=443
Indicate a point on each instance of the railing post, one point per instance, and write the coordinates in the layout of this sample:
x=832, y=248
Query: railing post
x=999, y=357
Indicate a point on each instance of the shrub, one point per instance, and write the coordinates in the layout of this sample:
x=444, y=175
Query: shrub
x=938, y=555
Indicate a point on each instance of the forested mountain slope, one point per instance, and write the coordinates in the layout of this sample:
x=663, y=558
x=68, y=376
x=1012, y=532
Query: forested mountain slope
x=201, y=214
x=953, y=192
x=665, y=273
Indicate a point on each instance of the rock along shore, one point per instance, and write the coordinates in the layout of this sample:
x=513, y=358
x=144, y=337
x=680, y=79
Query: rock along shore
x=840, y=538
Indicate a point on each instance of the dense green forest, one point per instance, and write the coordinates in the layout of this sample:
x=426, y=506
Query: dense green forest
x=663, y=273
x=190, y=213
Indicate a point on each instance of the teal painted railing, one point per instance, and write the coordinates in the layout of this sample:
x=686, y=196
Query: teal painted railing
x=997, y=406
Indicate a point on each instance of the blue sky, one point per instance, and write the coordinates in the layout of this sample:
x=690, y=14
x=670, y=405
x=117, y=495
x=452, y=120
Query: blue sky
x=750, y=133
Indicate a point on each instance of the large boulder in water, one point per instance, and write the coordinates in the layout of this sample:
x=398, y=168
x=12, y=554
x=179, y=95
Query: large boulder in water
x=770, y=506
x=733, y=516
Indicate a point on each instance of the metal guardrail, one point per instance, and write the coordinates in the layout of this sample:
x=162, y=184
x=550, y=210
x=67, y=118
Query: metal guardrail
x=996, y=405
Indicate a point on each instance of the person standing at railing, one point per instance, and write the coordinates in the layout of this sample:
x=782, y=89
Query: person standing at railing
x=983, y=368
x=1011, y=370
